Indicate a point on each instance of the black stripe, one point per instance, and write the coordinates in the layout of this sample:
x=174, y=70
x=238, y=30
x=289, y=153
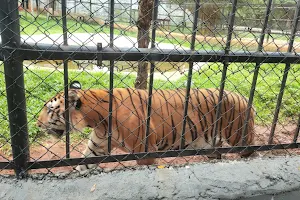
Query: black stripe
x=193, y=128
x=92, y=151
x=102, y=120
x=212, y=97
x=94, y=143
x=203, y=127
x=139, y=118
x=141, y=101
x=162, y=116
x=163, y=147
x=238, y=134
x=208, y=110
x=97, y=98
x=120, y=93
x=121, y=102
x=143, y=111
x=179, y=95
x=174, y=131
x=167, y=104
x=231, y=117
x=116, y=116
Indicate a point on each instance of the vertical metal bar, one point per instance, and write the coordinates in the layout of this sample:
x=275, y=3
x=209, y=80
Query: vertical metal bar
x=130, y=13
x=297, y=131
x=190, y=73
x=270, y=24
x=14, y=81
x=286, y=71
x=66, y=77
x=224, y=72
x=255, y=75
x=90, y=8
x=99, y=56
x=184, y=17
x=152, y=67
x=111, y=73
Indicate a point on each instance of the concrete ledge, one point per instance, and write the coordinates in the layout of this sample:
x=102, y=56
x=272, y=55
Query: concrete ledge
x=221, y=180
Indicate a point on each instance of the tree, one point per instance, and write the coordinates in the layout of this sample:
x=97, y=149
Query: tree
x=209, y=14
x=143, y=25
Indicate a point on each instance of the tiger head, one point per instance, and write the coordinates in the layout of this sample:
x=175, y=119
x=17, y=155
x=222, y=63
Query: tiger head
x=52, y=117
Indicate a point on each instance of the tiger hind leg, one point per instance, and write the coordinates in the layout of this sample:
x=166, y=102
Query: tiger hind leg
x=95, y=147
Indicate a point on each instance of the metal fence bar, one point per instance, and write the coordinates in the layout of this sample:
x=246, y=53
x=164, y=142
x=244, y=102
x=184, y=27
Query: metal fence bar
x=7, y=165
x=297, y=131
x=111, y=73
x=224, y=72
x=190, y=73
x=66, y=77
x=31, y=51
x=255, y=75
x=286, y=71
x=14, y=80
x=152, y=68
x=158, y=154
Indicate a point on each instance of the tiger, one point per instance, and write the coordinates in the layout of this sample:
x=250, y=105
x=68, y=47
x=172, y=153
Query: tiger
x=90, y=108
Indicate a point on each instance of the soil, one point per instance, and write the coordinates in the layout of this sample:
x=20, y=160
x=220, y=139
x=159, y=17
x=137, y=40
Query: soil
x=55, y=149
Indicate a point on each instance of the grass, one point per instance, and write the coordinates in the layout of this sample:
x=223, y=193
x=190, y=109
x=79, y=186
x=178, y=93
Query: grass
x=41, y=84
x=31, y=25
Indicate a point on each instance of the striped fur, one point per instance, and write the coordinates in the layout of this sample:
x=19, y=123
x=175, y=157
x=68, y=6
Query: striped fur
x=89, y=108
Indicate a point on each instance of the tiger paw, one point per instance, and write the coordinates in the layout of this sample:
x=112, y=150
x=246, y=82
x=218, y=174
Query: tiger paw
x=87, y=167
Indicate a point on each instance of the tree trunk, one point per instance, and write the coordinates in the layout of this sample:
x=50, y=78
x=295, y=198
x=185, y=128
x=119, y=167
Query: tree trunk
x=143, y=25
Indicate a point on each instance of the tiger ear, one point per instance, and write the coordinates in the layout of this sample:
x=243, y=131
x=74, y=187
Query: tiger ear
x=75, y=85
x=74, y=100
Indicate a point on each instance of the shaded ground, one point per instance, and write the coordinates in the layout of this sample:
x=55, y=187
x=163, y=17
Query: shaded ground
x=55, y=150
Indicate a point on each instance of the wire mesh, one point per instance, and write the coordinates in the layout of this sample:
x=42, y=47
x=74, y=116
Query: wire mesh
x=245, y=49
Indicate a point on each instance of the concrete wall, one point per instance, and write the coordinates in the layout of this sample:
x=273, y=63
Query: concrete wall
x=221, y=180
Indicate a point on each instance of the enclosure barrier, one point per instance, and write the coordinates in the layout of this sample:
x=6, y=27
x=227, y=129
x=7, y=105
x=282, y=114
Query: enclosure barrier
x=13, y=53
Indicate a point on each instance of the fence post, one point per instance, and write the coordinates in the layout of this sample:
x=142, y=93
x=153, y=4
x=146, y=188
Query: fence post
x=14, y=80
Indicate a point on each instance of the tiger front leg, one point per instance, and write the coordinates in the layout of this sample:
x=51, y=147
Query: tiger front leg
x=96, y=146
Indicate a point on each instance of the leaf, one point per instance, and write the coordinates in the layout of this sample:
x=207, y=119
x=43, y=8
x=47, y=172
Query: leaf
x=160, y=166
x=93, y=188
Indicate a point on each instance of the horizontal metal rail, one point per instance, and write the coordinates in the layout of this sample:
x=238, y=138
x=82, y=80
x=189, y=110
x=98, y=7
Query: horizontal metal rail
x=7, y=165
x=54, y=52
x=159, y=154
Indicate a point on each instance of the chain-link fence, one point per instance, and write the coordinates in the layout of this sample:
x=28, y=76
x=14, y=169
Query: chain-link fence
x=69, y=69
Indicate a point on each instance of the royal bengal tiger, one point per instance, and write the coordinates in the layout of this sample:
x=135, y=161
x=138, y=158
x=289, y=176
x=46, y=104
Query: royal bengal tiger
x=90, y=108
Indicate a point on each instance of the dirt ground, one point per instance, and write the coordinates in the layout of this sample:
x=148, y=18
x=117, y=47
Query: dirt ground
x=55, y=149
